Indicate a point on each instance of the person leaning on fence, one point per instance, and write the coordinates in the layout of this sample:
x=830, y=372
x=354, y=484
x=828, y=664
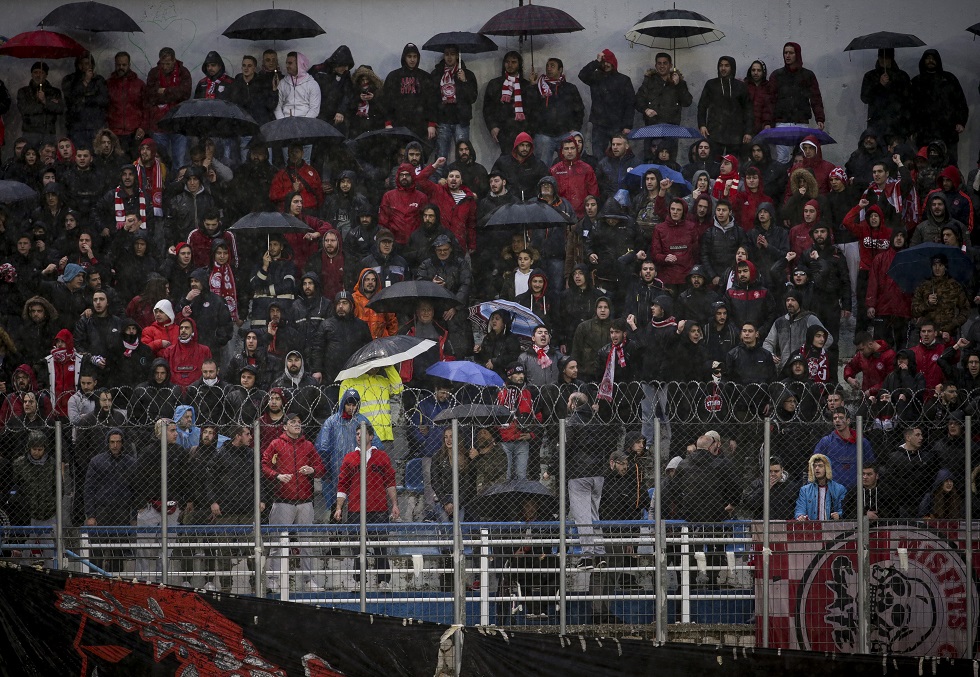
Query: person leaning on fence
x=821, y=498
x=34, y=476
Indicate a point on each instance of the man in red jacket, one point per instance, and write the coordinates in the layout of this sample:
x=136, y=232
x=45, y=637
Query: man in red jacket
x=125, y=116
x=382, y=494
x=401, y=206
x=576, y=179
x=874, y=360
x=885, y=300
x=167, y=85
x=186, y=356
x=456, y=202
x=291, y=462
x=297, y=177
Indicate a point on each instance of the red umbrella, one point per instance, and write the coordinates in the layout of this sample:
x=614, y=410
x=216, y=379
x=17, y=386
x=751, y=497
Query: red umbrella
x=41, y=45
x=531, y=20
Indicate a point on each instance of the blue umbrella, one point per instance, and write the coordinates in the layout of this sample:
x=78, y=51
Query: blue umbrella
x=665, y=131
x=523, y=320
x=913, y=266
x=665, y=173
x=462, y=371
x=792, y=135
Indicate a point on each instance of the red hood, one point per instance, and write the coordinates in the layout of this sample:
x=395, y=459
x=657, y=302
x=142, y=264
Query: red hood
x=816, y=205
x=953, y=174
x=26, y=368
x=523, y=137
x=67, y=337
x=799, y=56
x=683, y=205
x=810, y=138
x=405, y=167
x=753, y=274
x=194, y=337
x=875, y=209
x=611, y=58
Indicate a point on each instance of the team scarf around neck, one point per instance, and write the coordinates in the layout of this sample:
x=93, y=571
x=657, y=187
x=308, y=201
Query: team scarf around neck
x=617, y=356
x=222, y=282
x=447, y=85
x=154, y=182
x=543, y=360
x=511, y=93
x=120, y=207
x=548, y=87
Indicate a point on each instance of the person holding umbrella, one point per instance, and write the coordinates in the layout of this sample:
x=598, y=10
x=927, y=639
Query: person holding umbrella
x=40, y=104
x=457, y=94
x=885, y=88
x=500, y=346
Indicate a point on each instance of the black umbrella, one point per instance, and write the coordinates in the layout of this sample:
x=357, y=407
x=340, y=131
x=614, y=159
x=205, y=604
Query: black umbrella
x=505, y=501
x=384, y=352
x=15, y=191
x=531, y=20
x=208, y=117
x=529, y=215
x=402, y=296
x=273, y=24
x=913, y=266
x=884, y=40
x=94, y=17
x=269, y=223
x=475, y=414
x=304, y=130
x=465, y=41
x=975, y=29
x=388, y=137
x=673, y=28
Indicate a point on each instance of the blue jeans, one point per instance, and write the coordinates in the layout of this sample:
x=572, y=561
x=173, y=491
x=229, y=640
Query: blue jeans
x=785, y=153
x=446, y=137
x=654, y=404
x=173, y=147
x=547, y=147
x=517, y=453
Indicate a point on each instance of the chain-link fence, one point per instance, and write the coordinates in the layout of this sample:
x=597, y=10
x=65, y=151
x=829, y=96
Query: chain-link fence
x=653, y=504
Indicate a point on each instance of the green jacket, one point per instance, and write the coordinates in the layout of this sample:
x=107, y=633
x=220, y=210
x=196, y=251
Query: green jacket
x=35, y=484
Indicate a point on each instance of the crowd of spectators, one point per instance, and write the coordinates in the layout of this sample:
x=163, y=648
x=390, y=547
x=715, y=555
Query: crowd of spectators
x=125, y=298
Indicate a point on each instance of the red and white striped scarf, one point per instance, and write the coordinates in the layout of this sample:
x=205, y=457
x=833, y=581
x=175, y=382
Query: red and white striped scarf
x=156, y=187
x=222, y=282
x=616, y=356
x=511, y=93
x=447, y=85
x=120, y=207
x=548, y=87
x=543, y=360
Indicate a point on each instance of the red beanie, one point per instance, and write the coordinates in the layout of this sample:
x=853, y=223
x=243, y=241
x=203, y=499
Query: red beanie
x=611, y=58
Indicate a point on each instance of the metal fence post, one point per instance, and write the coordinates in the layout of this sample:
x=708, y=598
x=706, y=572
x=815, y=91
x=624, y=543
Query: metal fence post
x=257, y=508
x=459, y=590
x=59, y=508
x=164, y=557
x=562, y=529
x=766, y=548
x=968, y=457
x=660, y=555
x=365, y=445
x=862, y=545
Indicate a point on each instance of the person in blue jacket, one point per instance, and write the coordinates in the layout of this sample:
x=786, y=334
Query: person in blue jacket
x=337, y=438
x=821, y=498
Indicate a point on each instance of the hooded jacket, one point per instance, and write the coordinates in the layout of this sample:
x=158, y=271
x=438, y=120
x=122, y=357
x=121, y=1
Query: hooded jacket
x=299, y=95
x=156, y=333
x=376, y=391
x=808, y=503
x=336, y=89
x=401, y=207
x=459, y=217
x=937, y=101
x=588, y=339
x=185, y=359
x=500, y=349
x=285, y=456
x=789, y=334
x=152, y=400
x=889, y=108
x=522, y=175
x=366, y=116
x=340, y=338
x=751, y=302
x=576, y=181
x=718, y=246
x=189, y=437
x=125, y=113
x=872, y=241
x=795, y=92
x=761, y=97
x=679, y=239
x=380, y=324
x=816, y=165
x=777, y=239
x=952, y=307
x=884, y=294
x=959, y=204
x=612, y=94
x=410, y=95
x=217, y=87
x=725, y=108
x=696, y=304
x=862, y=161
x=799, y=235
x=337, y=437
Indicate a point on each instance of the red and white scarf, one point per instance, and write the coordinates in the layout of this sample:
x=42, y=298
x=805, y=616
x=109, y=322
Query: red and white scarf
x=120, y=207
x=543, y=360
x=364, y=109
x=616, y=356
x=447, y=85
x=511, y=93
x=154, y=183
x=222, y=282
x=212, y=88
x=168, y=80
x=548, y=87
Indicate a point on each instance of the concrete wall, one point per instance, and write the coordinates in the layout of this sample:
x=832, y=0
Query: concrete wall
x=376, y=30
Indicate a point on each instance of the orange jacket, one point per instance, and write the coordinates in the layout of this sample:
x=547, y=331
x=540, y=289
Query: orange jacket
x=380, y=324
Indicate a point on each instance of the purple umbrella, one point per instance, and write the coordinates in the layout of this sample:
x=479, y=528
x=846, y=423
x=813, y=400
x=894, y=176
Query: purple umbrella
x=792, y=135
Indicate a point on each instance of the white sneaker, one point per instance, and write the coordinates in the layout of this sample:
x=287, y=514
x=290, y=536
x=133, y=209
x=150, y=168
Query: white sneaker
x=384, y=586
x=313, y=586
x=210, y=587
